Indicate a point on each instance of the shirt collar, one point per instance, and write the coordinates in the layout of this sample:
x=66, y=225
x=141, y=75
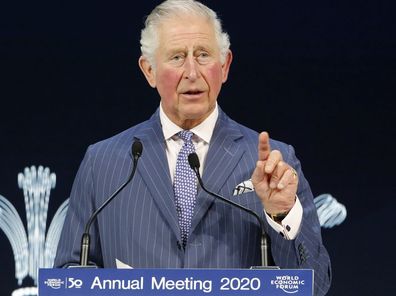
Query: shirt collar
x=204, y=130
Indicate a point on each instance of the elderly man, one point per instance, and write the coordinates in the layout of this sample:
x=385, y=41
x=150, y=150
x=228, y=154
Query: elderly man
x=162, y=218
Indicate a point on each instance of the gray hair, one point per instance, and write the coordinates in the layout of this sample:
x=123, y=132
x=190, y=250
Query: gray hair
x=170, y=8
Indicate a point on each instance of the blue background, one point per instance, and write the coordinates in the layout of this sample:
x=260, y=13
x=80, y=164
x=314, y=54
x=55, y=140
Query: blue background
x=319, y=75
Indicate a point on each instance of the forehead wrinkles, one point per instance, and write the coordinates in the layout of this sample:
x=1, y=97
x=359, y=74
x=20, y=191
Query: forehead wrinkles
x=180, y=37
x=188, y=35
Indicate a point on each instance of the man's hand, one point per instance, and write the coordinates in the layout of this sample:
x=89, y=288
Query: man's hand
x=274, y=181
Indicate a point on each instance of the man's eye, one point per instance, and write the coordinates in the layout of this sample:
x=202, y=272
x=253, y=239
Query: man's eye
x=203, y=57
x=177, y=58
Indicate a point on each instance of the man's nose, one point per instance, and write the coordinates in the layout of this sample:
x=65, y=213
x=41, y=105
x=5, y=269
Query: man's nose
x=191, y=69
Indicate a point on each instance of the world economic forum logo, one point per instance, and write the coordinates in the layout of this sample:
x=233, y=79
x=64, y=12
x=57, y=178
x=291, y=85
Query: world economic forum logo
x=32, y=248
x=54, y=283
x=288, y=284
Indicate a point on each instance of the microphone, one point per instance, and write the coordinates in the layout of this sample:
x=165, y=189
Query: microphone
x=137, y=149
x=193, y=160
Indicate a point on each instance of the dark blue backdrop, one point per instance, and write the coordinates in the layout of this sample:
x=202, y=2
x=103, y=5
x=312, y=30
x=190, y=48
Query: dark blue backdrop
x=319, y=75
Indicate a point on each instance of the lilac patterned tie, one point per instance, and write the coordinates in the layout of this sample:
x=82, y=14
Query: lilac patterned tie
x=185, y=185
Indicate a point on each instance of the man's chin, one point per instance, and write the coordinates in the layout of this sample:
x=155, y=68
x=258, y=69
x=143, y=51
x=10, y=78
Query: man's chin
x=192, y=118
x=196, y=112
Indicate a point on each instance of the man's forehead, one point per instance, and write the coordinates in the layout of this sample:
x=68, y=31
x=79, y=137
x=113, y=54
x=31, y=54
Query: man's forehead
x=186, y=36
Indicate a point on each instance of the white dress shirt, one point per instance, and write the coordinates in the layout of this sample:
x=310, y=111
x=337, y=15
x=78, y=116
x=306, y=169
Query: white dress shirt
x=290, y=225
x=201, y=138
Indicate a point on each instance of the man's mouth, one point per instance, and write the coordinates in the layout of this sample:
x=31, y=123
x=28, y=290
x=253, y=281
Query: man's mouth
x=193, y=92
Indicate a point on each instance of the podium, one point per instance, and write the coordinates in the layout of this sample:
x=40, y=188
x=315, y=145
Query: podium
x=175, y=282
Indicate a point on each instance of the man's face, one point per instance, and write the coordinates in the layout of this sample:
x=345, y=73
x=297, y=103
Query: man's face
x=188, y=73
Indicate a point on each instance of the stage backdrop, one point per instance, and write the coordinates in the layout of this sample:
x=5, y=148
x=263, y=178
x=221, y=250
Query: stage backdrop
x=319, y=75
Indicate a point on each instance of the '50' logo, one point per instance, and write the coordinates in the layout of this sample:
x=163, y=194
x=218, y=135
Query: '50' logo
x=73, y=283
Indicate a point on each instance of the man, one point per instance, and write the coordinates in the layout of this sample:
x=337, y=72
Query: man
x=163, y=219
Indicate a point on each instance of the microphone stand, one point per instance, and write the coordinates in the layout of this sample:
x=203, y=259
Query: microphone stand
x=264, y=244
x=137, y=149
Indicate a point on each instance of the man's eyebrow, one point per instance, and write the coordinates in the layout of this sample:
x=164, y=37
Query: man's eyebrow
x=201, y=47
x=206, y=48
x=174, y=50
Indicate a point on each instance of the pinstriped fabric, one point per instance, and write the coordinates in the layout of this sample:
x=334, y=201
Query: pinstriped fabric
x=140, y=226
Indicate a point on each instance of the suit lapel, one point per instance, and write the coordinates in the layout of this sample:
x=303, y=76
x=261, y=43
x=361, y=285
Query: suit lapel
x=223, y=156
x=154, y=169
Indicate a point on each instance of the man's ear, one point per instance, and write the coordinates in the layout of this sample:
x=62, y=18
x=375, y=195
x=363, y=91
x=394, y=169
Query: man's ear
x=226, y=66
x=148, y=71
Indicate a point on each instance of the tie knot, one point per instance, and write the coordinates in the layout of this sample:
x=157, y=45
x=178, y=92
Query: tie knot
x=185, y=135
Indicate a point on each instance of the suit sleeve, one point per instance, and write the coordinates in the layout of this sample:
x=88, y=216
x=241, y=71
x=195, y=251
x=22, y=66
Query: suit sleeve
x=81, y=206
x=306, y=250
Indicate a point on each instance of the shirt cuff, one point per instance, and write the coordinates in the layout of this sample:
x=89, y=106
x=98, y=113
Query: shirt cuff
x=290, y=225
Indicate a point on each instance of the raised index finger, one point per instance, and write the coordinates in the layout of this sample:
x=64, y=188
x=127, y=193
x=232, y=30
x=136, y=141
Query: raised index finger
x=264, y=147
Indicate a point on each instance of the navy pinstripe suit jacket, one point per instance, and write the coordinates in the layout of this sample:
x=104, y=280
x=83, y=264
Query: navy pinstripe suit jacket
x=140, y=226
